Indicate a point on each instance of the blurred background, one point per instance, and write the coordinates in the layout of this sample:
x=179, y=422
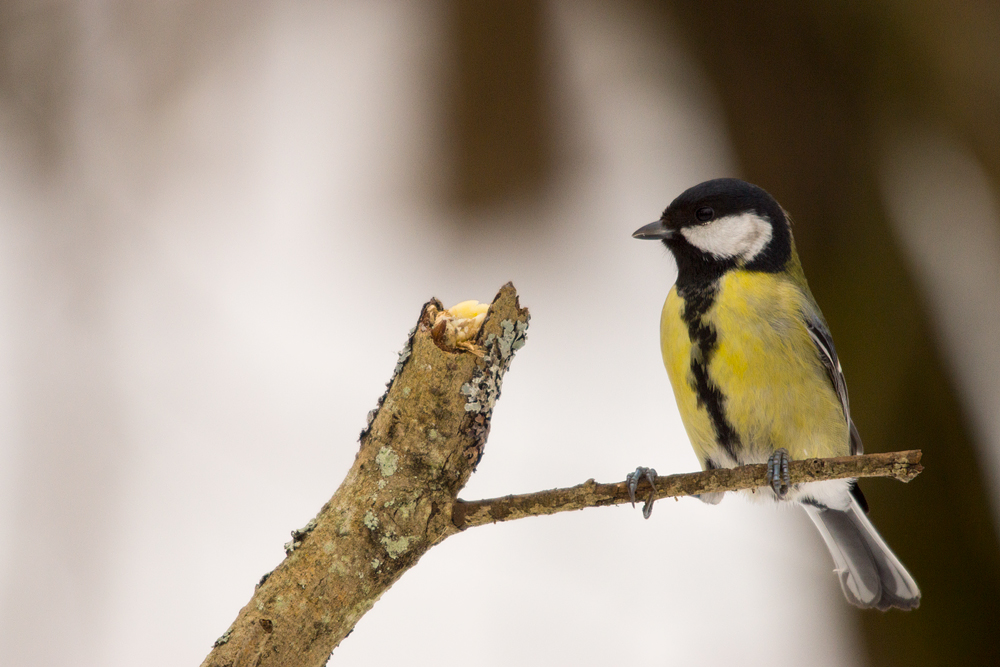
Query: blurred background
x=218, y=221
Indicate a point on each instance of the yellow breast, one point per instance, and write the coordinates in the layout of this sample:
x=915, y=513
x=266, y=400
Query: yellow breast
x=775, y=391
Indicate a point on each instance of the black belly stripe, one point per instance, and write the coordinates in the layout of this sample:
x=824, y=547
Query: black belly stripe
x=697, y=300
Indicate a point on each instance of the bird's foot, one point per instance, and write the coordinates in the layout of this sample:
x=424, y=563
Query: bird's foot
x=778, y=477
x=632, y=481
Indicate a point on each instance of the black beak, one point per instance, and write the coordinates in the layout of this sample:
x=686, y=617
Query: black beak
x=654, y=231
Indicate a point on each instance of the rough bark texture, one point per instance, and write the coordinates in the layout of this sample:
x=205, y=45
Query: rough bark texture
x=903, y=466
x=422, y=443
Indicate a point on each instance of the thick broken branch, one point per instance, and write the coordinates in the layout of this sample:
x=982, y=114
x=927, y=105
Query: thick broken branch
x=903, y=466
x=422, y=442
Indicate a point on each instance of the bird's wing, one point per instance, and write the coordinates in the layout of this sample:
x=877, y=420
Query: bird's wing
x=820, y=336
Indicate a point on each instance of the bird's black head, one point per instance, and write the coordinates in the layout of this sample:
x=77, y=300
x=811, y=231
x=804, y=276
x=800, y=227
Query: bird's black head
x=722, y=224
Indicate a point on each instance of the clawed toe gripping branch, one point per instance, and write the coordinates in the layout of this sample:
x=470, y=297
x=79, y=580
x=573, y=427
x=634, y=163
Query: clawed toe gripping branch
x=422, y=442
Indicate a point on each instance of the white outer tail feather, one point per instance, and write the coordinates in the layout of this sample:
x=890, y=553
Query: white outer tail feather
x=869, y=573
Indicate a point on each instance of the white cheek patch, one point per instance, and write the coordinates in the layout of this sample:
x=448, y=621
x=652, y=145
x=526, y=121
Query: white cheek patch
x=744, y=236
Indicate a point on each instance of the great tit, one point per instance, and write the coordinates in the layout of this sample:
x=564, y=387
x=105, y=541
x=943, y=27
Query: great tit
x=755, y=374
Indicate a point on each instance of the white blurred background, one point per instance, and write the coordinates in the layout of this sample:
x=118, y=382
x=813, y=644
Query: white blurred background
x=211, y=257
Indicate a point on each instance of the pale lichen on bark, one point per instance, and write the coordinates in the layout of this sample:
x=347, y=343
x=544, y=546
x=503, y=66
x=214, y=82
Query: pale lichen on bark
x=483, y=390
x=417, y=451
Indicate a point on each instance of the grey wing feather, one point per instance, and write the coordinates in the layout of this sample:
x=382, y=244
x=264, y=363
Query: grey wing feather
x=828, y=355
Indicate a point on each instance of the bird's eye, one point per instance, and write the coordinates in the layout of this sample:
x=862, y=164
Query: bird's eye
x=704, y=214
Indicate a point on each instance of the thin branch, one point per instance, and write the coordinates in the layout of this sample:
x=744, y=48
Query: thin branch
x=903, y=466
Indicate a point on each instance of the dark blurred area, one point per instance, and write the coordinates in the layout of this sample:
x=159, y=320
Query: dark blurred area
x=35, y=39
x=499, y=114
x=812, y=94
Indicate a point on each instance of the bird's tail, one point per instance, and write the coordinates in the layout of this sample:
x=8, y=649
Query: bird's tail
x=869, y=572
